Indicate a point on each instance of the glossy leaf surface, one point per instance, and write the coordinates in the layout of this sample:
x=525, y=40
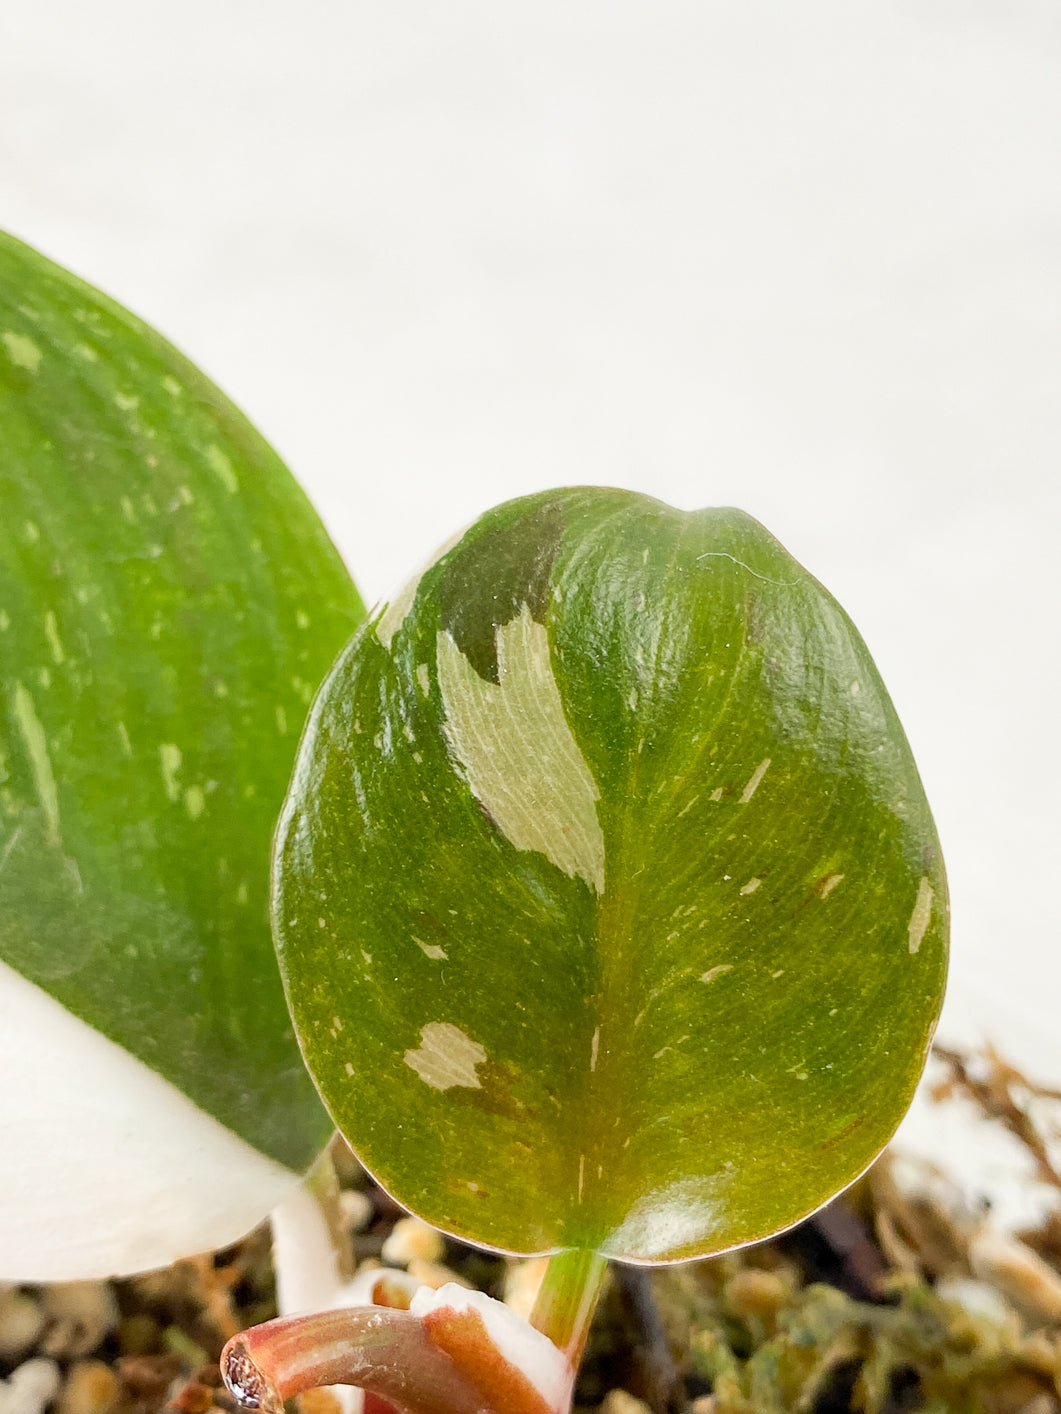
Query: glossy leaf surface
x=608, y=900
x=168, y=604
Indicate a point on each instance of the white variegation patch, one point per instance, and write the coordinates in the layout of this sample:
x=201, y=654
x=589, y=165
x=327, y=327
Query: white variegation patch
x=754, y=781
x=713, y=972
x=35, y=741
x=446, y=1056
x=677, y=1215
x=431, y=950
x=393, y=616
x=518, y=753
x=157, y=1177
x=921, y=916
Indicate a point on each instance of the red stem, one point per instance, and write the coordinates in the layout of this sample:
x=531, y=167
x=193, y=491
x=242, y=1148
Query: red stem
x=382, y=1350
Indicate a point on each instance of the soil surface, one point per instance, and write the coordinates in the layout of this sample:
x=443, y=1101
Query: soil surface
x=897, y=1297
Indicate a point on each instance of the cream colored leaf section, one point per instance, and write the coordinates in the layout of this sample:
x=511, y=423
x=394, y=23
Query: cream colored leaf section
x=446, y=1056
x=36, y=743
x=147, y=1176
x=921, y=916
x=517, y=751
x=394, y=614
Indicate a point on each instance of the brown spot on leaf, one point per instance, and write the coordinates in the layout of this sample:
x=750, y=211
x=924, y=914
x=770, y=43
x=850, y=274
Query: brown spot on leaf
x=850, y=1128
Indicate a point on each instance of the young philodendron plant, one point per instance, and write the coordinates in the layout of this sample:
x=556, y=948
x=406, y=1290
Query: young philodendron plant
x=612, y=920
x=168, y=605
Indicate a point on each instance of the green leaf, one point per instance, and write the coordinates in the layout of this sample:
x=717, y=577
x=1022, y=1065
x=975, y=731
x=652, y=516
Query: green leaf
x=168, y=604
x=608, y=901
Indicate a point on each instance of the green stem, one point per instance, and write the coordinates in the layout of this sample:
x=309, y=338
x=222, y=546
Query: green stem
x=567, y=1299
x=322, y=1182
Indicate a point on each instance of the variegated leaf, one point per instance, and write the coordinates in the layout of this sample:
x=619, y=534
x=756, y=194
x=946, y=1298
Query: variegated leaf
x=168, y=604
x=608, y=901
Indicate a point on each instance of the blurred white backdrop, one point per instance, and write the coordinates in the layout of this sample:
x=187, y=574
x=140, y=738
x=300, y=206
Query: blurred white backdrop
x=801, y=259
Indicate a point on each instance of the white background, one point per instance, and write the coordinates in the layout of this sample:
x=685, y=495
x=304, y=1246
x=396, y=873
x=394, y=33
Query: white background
x=805, y=259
